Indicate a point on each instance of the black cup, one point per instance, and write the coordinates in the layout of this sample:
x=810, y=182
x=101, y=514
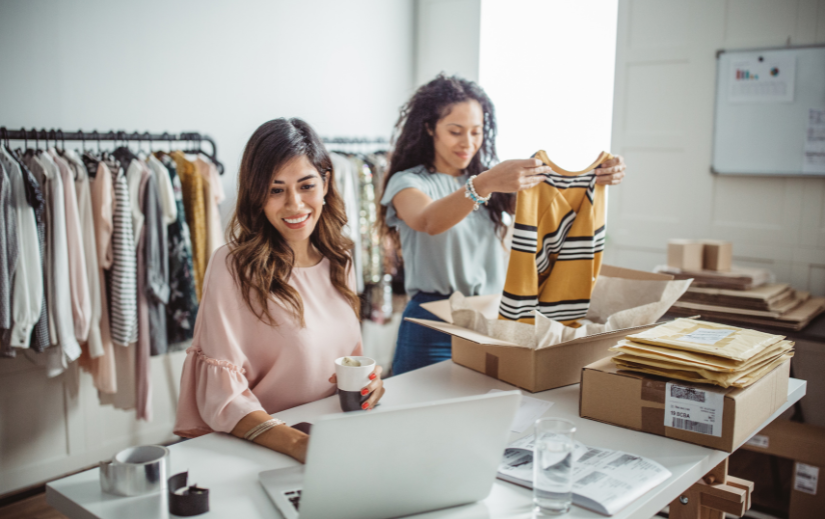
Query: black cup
x=351, y=400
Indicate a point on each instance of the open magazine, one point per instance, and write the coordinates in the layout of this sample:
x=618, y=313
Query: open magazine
x=604, y=480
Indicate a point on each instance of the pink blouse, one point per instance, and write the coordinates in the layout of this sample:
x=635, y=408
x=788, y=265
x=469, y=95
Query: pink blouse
x=238, y=364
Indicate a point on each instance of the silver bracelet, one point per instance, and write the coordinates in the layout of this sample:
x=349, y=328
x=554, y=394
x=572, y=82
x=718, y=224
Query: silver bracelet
x=471, y=193
x=261, y=428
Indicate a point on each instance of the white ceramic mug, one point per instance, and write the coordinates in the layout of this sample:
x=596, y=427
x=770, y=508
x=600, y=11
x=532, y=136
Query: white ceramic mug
x=351, y=380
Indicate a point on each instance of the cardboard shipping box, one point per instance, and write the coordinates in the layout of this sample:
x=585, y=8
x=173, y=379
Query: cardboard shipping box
x=534, y=370
x=805, y=444
x=717, y=255
x=638, y=401
x=685, y=254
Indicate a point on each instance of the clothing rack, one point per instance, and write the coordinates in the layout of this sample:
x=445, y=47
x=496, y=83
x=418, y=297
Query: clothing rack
x=354, y=140
x=195, y=138
x=356, y=144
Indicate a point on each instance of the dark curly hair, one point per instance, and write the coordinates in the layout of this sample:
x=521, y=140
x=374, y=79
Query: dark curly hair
x=413, y=144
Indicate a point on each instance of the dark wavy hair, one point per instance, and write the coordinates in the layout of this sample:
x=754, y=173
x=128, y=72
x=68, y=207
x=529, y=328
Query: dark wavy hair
x=414, y=145
x=261, y=259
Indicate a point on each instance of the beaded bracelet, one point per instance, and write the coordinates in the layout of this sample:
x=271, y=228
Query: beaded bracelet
x=471, y=193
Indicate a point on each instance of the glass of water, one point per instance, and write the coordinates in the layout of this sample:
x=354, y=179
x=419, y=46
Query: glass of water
x=553, y=466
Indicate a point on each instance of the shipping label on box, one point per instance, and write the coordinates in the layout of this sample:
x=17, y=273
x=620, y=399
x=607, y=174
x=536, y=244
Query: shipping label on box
x=692, y=409
x=759, y=440
x=806, y=478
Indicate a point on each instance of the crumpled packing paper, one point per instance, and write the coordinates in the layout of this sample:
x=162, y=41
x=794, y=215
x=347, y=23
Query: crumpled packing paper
x=616, y=303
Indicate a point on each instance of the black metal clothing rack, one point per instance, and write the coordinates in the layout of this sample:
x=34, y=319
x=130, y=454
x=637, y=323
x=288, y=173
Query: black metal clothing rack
x=56, y=135
x=355, y=140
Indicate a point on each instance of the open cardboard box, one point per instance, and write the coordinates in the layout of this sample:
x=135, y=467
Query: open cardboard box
x=534, y=370
x=637, y=401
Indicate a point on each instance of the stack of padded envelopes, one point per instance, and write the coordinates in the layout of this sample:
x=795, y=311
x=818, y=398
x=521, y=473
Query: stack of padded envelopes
x=703, y=352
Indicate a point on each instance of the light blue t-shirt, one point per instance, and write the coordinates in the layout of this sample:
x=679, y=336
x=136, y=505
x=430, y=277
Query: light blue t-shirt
x=467, y=258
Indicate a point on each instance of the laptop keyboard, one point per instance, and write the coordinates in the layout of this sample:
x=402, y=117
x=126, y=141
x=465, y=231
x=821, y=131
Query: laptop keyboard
x=294, y=497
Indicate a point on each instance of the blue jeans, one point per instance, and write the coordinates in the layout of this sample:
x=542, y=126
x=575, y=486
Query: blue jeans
x=419, y=346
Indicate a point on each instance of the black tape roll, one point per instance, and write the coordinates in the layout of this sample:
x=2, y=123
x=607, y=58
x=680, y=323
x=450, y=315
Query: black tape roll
x=193, y=501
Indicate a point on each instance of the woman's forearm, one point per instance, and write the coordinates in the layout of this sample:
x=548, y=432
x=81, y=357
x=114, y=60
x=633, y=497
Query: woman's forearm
x=281, y=438
x=442, y=214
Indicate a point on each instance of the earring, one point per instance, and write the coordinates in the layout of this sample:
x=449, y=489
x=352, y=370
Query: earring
x=324, y=201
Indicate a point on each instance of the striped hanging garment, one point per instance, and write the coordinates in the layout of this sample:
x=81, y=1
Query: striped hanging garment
x=558, y=241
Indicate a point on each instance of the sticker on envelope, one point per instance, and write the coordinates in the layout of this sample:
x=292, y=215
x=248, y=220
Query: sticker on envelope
x=706, y=336
x=695, y=410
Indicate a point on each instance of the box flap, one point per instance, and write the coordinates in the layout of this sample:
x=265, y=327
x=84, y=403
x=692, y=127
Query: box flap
x=440, y=309
x=619, y=272
x=464, y=333
x=487, y=305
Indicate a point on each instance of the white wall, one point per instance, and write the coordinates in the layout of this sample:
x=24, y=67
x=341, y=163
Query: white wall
x=548, y=67
x=663, y=125
x=221, y=68
x=447, y=39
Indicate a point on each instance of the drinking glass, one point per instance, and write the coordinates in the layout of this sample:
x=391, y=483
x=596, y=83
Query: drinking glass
x=553, y=466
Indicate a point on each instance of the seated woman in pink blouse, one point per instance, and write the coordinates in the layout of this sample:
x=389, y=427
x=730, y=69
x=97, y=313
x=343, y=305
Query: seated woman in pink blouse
x=278, y=303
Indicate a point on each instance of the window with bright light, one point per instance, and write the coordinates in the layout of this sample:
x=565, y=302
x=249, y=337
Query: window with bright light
x=548, y=67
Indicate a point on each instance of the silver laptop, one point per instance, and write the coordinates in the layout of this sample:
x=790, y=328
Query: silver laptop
x=396, y=461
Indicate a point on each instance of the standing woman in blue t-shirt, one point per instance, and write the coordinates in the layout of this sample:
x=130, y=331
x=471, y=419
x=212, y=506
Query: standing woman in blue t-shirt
x=443, y=166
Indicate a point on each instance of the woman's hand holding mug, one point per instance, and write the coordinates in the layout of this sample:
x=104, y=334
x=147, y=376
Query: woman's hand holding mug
x=359, y=382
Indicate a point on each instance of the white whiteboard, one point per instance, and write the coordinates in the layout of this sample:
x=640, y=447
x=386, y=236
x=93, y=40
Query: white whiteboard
x=770, y=112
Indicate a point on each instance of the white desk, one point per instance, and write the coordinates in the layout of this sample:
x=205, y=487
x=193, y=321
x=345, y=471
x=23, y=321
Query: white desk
x=229, y=467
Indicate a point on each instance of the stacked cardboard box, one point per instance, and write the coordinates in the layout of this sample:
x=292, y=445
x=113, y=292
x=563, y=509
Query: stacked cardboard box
x=721, y=291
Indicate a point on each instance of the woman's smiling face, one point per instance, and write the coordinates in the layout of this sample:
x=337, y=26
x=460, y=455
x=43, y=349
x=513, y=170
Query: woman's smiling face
x=295, y=201
x=458, y=136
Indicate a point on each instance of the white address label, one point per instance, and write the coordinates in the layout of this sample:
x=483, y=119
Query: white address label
x=806, y=478
x=695, y=410
x=705, y=336
x=759, y=440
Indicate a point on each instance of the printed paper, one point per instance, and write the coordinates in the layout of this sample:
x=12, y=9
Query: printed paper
x=814, y=159
x=696, y=410
x=762, y=80
x=604, y=480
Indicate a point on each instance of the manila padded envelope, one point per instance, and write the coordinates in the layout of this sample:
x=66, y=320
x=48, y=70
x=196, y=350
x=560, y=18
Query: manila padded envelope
x=710, y=338
x=722, y=379
x=739, y=380
x=698, y=360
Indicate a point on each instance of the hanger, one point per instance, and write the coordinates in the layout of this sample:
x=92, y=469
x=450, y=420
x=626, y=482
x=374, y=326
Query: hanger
x=169, y=138
x=36, y=141
x=4, y=136
x=62, y=139
x=149, y=138
x=97, y=136
x=52, y=133
x=111, y=136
